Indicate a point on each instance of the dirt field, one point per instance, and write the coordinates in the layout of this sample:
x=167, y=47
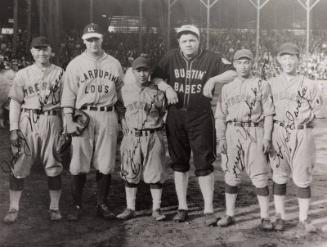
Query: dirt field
x=34, y=228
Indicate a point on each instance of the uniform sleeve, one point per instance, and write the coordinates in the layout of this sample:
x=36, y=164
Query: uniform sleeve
x=161, y=69
x=70, y=87
x=267, y=99
x=315, y=98
x=220, y=116
x=119, y=85
x=16, y=91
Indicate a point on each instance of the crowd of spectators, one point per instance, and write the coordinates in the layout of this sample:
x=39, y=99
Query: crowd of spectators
x=125, y=47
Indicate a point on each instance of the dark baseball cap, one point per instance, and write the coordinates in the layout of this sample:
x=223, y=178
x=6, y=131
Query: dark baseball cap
x=40, y=41
x=289, y=48
x=92, y=30
x=188, y=29
x=141, y=62
x=243, y=53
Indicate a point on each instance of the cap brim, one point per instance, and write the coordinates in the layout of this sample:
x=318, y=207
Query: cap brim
x=91, y=35
x=179, y=34
x=246, y=57
x=288, y=53
x=40, y=46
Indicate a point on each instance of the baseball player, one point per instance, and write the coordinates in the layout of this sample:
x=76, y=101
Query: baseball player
x=295, y=99
x=190, y=123
x=35, y=125
x=143, y=147
x=91, y=83
x=244, y=125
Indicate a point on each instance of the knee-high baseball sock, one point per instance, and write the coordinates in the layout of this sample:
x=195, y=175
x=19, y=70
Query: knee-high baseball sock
x=103, y=186
x=54, y=199
x=156, y=198
x=131, y=197
x=77, y=185
x=181, y=184
x=264, y=206
x=14, y=197
x=304, y=204
x=207, y=188
x=279, y=202
x=230, y=204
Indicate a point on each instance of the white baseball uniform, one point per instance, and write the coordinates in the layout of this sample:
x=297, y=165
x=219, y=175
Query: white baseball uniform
x=37, y=92
x=93, y=84
x=243, y=106
x=295, y=103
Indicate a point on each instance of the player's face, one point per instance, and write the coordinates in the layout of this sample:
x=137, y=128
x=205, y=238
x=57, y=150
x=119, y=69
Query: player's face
x=141, y=75
x=41, y=55
x=93, y=45
x=243, y=67
x=189, y=44
x=288, y=63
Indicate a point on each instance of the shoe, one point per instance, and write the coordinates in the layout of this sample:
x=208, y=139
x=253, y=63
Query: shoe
x=157, y=215
x=126, y=214
x=11, y=216
x=104, y=212
x=210, y=219
x=307, y=226
x=266, y=224
x=54, y=215
x=75, y=213
x=181, y=216
x=279, y=224
x=226, y=221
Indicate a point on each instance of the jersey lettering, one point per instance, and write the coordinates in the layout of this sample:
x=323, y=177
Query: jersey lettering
x=189, y=74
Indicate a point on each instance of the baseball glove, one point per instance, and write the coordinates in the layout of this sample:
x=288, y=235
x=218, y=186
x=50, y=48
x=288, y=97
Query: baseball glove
x=61, y=149
x=82, y=118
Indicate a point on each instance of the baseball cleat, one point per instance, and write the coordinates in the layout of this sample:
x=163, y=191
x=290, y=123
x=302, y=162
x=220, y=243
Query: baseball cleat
x=104, y=212
x=181, y=216
x=307, y=226
x=266, y=224
x=75, y=214
x=11, y=216
x=126, y=214
x=210, y=219
x=279, y=224
x=226, y=221
x=158, y=216
x=54, y=215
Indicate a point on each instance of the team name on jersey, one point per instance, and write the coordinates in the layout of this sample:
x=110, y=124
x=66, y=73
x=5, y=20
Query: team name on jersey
x=188, y=89
x=189, y=74
x=37, y=87
x=98, y=73
x=139, y=106
x=242, y=98
x=283, y=95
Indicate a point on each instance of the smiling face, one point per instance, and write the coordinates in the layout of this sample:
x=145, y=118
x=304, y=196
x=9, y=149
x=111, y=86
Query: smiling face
x=141, y=75
x=288, y=62
x=93, y=45
x=243, y=67
x=189, y=44
x=41, y=55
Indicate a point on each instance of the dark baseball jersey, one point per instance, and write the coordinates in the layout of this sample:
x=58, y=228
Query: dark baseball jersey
x=187, y=77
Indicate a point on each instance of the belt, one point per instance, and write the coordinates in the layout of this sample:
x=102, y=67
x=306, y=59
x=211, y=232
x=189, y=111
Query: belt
x=40, y=112
x=144, y=132
x=296, y=126
x=97, y=108
x=245, y=124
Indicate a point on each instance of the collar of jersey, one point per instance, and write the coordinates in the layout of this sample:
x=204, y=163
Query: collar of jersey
x=190, y=59
x=95, y=58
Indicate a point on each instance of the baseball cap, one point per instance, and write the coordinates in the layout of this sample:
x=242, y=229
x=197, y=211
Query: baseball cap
x=40, y=41
x=92, y=30
x=188, y=29
x=243, y=53
x=141, y=62
x=289, y=48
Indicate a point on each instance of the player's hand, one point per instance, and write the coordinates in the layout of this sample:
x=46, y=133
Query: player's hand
x=221, y=146
x=171, y=96
x=73, y=128
x=209, y=88
x=14, y=138
x=124, y=126
x=266, y=145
